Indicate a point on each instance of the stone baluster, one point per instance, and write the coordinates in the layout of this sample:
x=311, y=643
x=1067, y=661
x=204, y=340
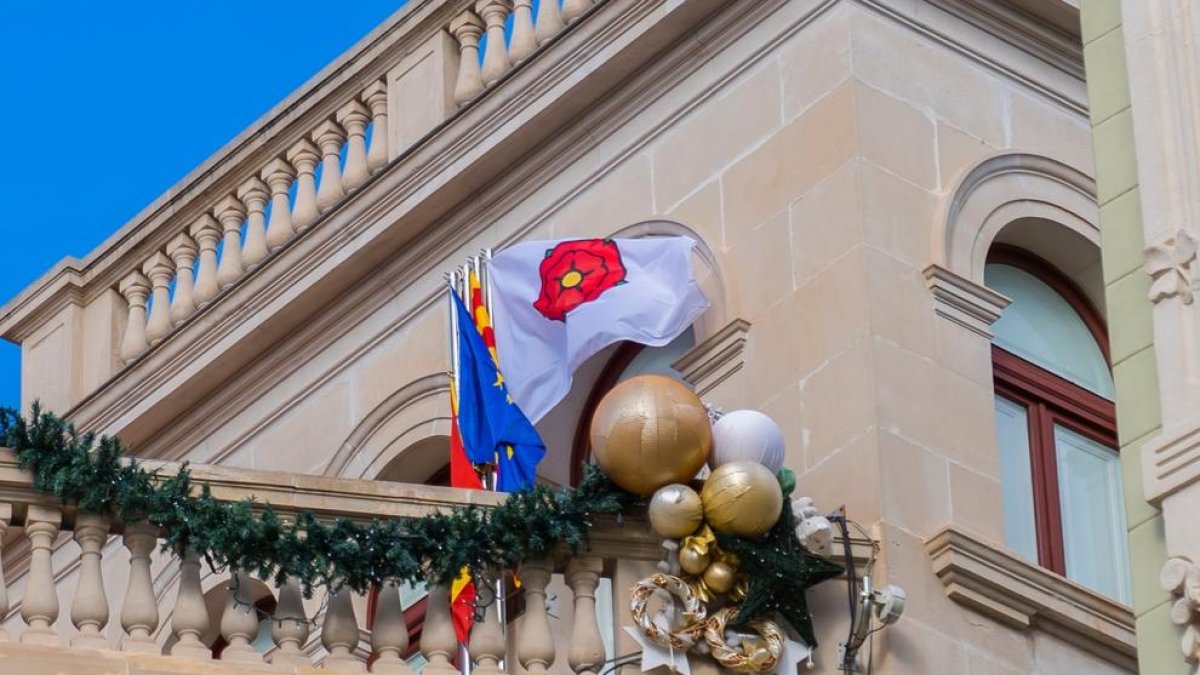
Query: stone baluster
x=535, y=644
x=136, y=290
x=289, y=627
x=354, y=117
x=466, y=28
x=523, y=41
x=375, y=96
x=5, y=519
x=231, y=213
x=549, y=21
x=389, y=634
x=89, y=609
x=487, y=644
x=495, y=57
x=182, y=250
x=278, y=175
x=253, y=193
x=160, y=270
x=439, y=645
x=586, y=654
x=339, y=635
x=304, y=157
x=207, y=233
x=189, y=619
x=139, y=615
x=39, y=607
x=239, y=621
x=329, y=137
x=573, y=9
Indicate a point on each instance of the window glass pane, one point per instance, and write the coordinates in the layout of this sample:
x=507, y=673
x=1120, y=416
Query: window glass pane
x=1040, y=326
x=1016, y=478
x=1093, y=513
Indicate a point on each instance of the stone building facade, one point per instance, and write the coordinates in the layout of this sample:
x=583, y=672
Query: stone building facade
x=856, y=174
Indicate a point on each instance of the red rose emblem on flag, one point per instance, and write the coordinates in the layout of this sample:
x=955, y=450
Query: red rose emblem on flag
x=577, y=272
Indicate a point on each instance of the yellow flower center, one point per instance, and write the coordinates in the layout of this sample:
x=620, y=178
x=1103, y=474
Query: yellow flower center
x=572, y=279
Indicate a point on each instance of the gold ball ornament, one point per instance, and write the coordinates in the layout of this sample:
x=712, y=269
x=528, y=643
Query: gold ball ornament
x=675, y=511
x=719, y=577
x=650, y=431
x=693, y=561
x=742, y=499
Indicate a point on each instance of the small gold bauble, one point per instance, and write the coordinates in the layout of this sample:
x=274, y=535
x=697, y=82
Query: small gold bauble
x=675, y=511
x=693, y=561
x=742, y=499
x=719, y=577
x=650, y=431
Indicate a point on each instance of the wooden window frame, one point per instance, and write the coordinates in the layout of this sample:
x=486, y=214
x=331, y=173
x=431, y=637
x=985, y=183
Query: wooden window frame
x=1050, y=400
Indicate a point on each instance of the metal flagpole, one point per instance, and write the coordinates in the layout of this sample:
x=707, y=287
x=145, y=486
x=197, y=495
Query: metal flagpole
x=485, y=296
x=464, y=658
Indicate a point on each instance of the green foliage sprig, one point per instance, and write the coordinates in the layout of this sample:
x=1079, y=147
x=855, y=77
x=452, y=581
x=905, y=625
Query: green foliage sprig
x=92, y=474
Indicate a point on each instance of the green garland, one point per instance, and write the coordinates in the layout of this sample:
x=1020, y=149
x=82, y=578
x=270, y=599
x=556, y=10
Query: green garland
x=88, y=472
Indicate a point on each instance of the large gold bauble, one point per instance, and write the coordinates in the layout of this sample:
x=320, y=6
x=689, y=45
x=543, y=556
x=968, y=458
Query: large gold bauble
x=650, y=431
x=675, y=511
x=743, y=499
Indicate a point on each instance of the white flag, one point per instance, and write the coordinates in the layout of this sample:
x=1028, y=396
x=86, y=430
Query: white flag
x=559, y=302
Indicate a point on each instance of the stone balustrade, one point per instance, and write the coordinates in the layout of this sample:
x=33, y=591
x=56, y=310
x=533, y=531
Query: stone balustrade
x=217, y=237
x=174, y=621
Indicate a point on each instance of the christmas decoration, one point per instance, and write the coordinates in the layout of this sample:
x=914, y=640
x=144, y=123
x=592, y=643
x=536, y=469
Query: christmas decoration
x=655, y=655
x=675, y=511
x=687, y=631
x=650, y=431
x=90, y=473
x=742, y=499
x=747, y=435
x=754, y=655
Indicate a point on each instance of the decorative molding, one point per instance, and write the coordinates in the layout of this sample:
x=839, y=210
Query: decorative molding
x=1181, y=578
x=995, y=582
x=964, y=302
x=1171, y=460
x=715, y=360
x=1170, y=264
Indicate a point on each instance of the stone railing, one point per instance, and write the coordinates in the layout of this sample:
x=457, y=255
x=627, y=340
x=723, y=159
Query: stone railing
x=172, y=620
x=223, y=227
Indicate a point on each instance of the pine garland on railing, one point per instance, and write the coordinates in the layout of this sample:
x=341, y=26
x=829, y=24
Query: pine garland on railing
x=90, y=473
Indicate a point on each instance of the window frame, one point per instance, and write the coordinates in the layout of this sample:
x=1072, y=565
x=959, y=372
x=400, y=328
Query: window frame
x=1050, y=400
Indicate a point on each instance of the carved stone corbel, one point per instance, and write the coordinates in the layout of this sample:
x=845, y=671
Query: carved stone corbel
x=1169, y=263
x=1181, y=578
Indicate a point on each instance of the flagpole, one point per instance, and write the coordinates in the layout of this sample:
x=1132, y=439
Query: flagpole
x=464, y=657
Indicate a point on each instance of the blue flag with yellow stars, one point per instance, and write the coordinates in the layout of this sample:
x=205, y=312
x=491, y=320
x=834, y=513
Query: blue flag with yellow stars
x=493, y=428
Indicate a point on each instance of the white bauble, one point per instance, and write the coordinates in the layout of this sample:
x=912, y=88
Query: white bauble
x=747, y=435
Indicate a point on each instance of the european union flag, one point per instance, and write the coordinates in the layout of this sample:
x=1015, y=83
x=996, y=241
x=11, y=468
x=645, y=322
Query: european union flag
x=493, y=428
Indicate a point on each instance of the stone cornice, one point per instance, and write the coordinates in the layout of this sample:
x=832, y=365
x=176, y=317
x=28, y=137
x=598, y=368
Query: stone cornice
x=993, y=581
x=62, y=286
x=964, y=302
x=1039, y=29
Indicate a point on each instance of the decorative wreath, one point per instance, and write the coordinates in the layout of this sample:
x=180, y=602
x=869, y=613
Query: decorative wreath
x=758, y=660
x=694, y=614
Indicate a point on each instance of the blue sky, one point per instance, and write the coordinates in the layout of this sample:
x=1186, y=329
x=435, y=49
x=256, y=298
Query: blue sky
x=108, y=104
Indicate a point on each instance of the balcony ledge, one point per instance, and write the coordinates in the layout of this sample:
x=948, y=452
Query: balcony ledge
x=995, y=582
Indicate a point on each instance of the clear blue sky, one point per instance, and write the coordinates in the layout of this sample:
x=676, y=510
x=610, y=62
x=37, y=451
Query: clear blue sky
x=107, y=104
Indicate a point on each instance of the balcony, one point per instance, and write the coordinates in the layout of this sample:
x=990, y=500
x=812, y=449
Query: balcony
x=114, y=597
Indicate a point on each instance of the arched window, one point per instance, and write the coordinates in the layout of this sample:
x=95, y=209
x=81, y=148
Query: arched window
x=1059, y=468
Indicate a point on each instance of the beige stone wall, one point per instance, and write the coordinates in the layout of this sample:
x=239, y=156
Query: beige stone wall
x=814, y=157
x=815, y=171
